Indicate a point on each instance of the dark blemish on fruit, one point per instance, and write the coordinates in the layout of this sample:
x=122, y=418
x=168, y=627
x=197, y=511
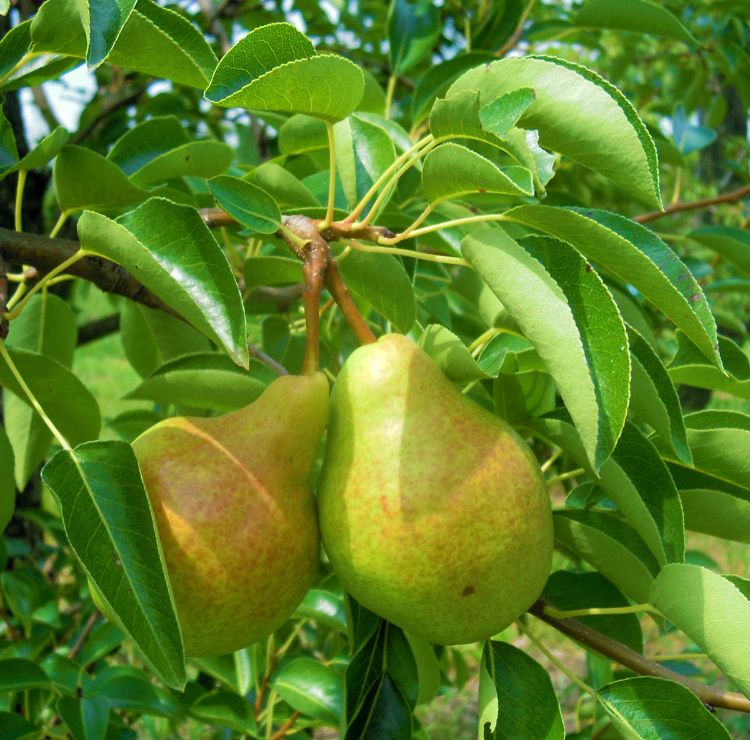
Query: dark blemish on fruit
x=468, y=591
x=588, y=267
x=384, y=504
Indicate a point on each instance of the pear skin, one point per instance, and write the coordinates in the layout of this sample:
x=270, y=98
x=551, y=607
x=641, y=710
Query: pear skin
x=236, y=518
x=433, y=512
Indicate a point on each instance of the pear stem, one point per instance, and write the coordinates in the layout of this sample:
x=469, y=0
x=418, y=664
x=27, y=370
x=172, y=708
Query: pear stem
x=316, y=258
x=340, y=293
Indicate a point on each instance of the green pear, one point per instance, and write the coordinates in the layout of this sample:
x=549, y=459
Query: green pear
x=236, y=518
x=433, y=511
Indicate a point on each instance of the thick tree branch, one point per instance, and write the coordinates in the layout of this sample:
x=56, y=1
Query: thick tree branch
x=636, y=662
x=731, y=197
x=3, y=298
x=45, y=254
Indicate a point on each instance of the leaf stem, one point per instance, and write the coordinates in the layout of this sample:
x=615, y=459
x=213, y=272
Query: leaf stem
x=557, y=663
x=385, y=192
x=478, y=218
x=61, y=219
x=547, y=464
x=17, y=216
x=598, y=611
x=354, y=215
x=677, y=656
x=444, y=259
x=328, y=220
x=45, y=281
x=565, y=476
x=32, y=398
x=390, y=89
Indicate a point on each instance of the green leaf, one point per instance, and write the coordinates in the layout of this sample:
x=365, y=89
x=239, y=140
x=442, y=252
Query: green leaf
x=450, y=354
x=689, y=367
x=636, y=256
x=323, y=607
x=272, y=270
x=275, y=68
x=637, y=479
x=42, y=153
x=250, y=205
x=225, y=709
x=87, y=719
x=639, y=482
x=649, y=707
x=520, y=396
x=581, y=337
x=502, y=114
x=413, y=28
x=204, y=380
x=7, y=479
x=730, y=243
x=382, y=281
x=452, y=170
x=16, y=727
x=653, y=397
x=155, y=40
x=566, y=590
x=287, y=190
x=150, y=337
x=524, y=705
x=436, y=80
x=17, y=674
x=47, y=326
x=712, y=612
x=612, y=547
x=713, y=505
x=67, y=402
x=111, y=528
x=302, y=134
x=85, y=179
x=363, y=152
x=132, y=690
x=103, y=21
x=381, y=679
x=719, y=442
x=147, y=141
x=578, y=114
x=428, y=667
x=196, y=158
x=632, y=15
x=168, y=248
x=312, y=688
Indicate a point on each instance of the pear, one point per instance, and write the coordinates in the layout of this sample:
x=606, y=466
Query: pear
x=433, y=511
x=234, y=511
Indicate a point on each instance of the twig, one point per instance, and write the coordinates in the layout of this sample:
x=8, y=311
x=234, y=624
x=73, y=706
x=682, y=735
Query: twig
x=267, y=360
x=106, y=110
x=85, y=633
x=44, y=107
x=99, y=328
x=516, y=35
x=730, y=197
x=215, y=217
x=283, y=729
x=636, y=662
x=214, y=24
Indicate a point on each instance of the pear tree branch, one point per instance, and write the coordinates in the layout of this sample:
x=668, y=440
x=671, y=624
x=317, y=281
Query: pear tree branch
x=44, y=254
x=635, y=661
x=731, y=197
